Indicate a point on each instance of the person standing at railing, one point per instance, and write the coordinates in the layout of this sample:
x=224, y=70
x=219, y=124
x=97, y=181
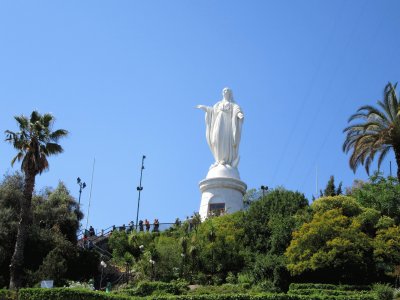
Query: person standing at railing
x=147, y=224
x=91, y=231
x=140, y=225
x=156, y=225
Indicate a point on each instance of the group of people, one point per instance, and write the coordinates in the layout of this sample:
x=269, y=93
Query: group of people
x=143, y=225
x=146, y=224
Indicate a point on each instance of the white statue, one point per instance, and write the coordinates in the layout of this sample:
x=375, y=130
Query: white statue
x=223, y=129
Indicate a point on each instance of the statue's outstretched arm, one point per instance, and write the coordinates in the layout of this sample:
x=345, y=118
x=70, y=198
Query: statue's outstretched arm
x=202, y=107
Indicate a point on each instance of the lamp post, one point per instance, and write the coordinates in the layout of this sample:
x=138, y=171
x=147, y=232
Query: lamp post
x=264, y=188
x=103, y=265
x=139, y=189
x=153, y=274
x=82, y=185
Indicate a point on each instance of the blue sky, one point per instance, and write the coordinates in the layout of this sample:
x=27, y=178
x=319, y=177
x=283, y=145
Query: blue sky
x=124, y=77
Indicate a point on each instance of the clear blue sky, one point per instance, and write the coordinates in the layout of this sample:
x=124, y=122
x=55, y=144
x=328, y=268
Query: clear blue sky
x=124, y=77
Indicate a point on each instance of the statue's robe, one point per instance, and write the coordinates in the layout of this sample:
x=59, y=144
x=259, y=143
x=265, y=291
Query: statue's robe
x=223, y=132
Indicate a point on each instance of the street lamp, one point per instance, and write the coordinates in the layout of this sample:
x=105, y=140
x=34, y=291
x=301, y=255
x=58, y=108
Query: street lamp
x=264, y=189
x=82, y=185
x=139, y=189
x=152, y=262
x=103, y=266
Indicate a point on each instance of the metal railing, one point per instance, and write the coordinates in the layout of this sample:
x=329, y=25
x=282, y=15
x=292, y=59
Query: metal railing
x=82, y=234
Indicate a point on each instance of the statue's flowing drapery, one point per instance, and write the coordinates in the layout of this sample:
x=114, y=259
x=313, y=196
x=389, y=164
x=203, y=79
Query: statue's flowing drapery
x=223, y=131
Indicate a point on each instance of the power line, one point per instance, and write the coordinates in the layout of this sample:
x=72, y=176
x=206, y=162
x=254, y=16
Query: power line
x=325, y=92
x=305, y=98
x=326, y=136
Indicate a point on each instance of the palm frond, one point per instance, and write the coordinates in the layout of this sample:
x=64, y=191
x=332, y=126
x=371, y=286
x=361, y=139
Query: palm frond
x=18, y=157
x=382, y=155
x=57, y=134
x=377, y=131
x=35, y=116
x=47, y=119
x=53, y=148
x=22, y=121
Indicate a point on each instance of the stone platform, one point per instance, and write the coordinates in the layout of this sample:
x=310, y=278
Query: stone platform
x=221, y=191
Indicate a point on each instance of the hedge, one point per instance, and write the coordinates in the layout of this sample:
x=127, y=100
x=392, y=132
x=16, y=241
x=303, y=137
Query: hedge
x=80, y=294
x=66, y=294
x=327, y=292
x=265, y=297
x=147, y=288
x=323, y=286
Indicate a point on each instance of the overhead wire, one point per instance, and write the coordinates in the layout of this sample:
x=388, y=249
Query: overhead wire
x=325, y=92
x=306, y=97
x=339, y=106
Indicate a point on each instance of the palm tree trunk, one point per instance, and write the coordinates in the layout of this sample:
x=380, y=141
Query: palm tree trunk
x=17, y=260
x=396, y=149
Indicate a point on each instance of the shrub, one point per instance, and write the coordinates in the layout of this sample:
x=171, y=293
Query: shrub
x=8, y=295
x=66, y=294
x=383, y=291
x=323, y=286
x=266, y=286
x=220, y=289
x=231, y=278
x=148, y=288
x=234, y=297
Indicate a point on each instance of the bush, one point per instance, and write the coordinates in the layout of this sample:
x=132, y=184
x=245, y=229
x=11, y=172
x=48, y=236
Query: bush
x=66, y=294
x=266, y=286
x=221, y=289
x=263, y=297
x=148, y=288
x=234, y=297
x=383, y=291
x=8, y=295
x=323, y=286
x=328, y=292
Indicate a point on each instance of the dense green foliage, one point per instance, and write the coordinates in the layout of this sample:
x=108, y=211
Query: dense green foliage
x=65, y=294
x=149, y=288
x=343, y=242
x=51, y=242
x=8, y=295
x=380, y=193
x=69, y=294
x=244, y=247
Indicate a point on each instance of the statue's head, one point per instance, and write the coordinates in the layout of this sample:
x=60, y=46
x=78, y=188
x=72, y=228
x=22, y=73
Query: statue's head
x=227, y=94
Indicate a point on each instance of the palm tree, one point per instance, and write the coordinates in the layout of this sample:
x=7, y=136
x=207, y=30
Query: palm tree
x=377, y=132
x=34, y=141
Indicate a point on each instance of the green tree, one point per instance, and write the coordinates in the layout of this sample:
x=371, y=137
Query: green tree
x=387, y=249
x=51, y=238
x=380, y=193
x=330, y=189
x=341, y=243
x=10, y=195
x=378, y=131
x=34, y=141
x=219, y=246
x=269, y=222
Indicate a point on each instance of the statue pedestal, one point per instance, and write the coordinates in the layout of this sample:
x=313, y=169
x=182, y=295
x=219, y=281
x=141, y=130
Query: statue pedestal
x=221, y=191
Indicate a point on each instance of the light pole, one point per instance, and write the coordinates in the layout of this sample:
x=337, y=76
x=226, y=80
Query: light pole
x=139, y=189
x=103, y=265
x=82, y=185
x=264, y=188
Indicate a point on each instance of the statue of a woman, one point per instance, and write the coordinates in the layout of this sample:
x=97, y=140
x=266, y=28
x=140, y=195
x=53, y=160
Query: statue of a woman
x=223, y=129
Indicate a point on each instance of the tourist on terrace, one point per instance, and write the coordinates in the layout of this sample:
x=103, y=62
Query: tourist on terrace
x=147, y=224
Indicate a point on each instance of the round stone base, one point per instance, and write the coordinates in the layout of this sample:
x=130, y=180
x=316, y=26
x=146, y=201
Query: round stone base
x=221, y=195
